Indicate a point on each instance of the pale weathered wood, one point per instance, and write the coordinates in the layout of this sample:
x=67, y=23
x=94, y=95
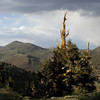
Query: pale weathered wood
x=63, y=33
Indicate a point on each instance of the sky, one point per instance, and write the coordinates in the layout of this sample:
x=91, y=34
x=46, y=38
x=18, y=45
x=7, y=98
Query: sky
x=40, y=21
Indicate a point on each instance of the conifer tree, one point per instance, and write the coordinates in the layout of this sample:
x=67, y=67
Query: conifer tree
x=85, y=77
x=68, y=70
x=54, y=73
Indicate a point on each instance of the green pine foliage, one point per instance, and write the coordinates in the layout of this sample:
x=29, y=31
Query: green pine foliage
x=1, y=69
x=68, y=71
x=18, y=80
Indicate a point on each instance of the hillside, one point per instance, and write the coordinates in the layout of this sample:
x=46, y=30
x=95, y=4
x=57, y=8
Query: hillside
x=24, y=55
x=28, y=56
x=96, y=58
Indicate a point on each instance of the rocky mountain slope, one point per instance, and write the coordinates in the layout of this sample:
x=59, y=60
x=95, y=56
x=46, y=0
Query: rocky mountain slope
x=24, y=55
x=95, y=60
x=29, y=56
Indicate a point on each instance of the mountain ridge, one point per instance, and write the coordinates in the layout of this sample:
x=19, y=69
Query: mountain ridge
x=29, y=56
x=23, y=55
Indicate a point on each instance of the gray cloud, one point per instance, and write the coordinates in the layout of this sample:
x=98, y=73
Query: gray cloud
x=34, y=15
x=30, y=6
x=45, y=33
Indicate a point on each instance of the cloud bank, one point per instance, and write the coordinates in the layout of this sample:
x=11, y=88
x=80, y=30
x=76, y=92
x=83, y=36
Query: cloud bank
x=30, y=6
x=40, y=21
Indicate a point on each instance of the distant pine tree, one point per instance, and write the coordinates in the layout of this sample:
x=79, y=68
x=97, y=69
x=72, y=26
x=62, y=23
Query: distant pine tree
x=1, y=69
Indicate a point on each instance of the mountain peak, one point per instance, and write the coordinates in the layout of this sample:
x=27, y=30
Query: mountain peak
x=23, y=55
x=16, y=42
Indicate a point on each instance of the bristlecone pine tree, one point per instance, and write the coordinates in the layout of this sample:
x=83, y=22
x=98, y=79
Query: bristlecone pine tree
x=68, y=70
